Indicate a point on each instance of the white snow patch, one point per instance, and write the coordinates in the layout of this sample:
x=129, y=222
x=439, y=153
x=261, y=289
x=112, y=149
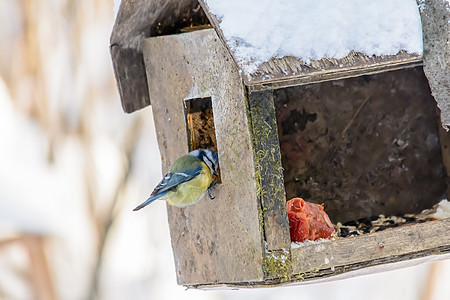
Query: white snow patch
x=443, y=210
x=318, y=243
x=258, y=30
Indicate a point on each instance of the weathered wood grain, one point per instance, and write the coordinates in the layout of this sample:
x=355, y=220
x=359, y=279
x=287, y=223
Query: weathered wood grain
x=435, y=16
x=290, y=71
x=218, y=240
x=129, y=70
x=348, y=257
x=135, y=21
x=392, y=245
x=216, y=25
x=269, y=172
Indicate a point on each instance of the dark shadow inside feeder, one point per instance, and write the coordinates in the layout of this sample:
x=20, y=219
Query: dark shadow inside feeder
x=200, y=126
x=362, y=146
x=183, y=17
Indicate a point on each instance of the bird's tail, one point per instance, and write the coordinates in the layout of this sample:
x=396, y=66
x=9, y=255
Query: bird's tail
x=149, y=200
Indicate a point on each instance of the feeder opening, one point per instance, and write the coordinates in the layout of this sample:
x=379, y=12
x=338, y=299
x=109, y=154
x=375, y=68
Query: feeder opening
x=364, y=146
x=200, y=125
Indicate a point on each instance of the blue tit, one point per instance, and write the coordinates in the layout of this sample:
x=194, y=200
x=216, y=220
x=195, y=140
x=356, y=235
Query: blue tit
x=187, y=181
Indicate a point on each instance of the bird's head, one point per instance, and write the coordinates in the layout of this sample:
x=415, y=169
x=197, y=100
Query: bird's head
x=209, y=157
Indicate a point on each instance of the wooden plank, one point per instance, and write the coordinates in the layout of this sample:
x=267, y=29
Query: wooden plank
x=136, y=20
x=133, y=22
x=290, y=71
x=269, y=172
x=352, y=253
x=350, y=273
x=435, y=16
x=343, y=258
x=216, y=25
x=214, y=241
x=131, y=80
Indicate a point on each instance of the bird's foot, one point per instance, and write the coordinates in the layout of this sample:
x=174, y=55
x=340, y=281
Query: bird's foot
x=211, y=196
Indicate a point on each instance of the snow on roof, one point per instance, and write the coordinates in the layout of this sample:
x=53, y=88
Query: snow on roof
x=258, y=30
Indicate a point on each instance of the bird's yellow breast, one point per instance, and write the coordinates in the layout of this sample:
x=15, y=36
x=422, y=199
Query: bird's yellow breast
x=190, y=192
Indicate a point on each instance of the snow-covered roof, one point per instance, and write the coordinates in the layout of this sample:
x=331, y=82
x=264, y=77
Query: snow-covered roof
x=260, y=31
x=279, y=42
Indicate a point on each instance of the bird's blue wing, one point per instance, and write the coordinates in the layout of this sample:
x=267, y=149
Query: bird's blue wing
x=171, y=180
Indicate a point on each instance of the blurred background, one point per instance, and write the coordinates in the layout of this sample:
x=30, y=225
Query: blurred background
x=73, y=165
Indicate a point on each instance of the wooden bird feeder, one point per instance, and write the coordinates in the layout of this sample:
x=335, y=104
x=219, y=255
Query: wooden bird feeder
x=361, y=135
